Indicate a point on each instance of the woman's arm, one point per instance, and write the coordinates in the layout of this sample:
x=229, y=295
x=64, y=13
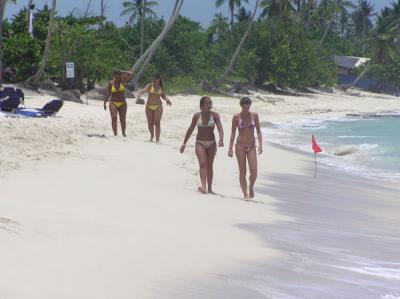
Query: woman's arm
x=144, y=90
x=189, y=131
x=164, y=96
x=220, y=129
x=233, y=133
x=259, y=134
x=107, y=95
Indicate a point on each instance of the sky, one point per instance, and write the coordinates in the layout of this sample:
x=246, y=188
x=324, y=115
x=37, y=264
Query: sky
x=201, y=11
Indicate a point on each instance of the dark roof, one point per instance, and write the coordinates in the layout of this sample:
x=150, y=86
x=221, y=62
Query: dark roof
x=349, y=62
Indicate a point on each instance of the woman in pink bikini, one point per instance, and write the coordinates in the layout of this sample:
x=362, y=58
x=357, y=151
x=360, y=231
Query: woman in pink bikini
x=246, y=122
x=206, y=147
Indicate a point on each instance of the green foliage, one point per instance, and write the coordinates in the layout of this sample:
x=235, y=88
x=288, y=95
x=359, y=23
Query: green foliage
x=95, y=53
x=389, y=73
x=23, y=53
x=281, y=53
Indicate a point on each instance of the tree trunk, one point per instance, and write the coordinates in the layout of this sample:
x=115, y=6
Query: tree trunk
x=142, y=17
x=28, y=15
x=239, y=48
x=232, y=14
x=326, y=32
x=347, y=86
x=2, y=7
x=144, y=60
x=34, y=80
x=102, y=8
x=364, y=35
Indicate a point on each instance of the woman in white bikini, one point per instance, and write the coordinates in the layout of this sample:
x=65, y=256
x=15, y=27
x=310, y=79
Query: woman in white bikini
x=154, y=108
x=246, y=122
x=206, y=147
x=116, y=90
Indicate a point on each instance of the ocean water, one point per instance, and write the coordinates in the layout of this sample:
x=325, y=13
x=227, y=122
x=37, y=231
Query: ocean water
x=368, y=145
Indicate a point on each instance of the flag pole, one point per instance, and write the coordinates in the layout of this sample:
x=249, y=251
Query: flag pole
x=315, y=163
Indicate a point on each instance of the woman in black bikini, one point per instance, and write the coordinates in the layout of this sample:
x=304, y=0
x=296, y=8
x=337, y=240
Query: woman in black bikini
x=116, y=89
x=206, y=147
x=246, y=122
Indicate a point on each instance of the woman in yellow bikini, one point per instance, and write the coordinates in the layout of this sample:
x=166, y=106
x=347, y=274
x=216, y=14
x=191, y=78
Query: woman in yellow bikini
x=246, y=122
x=206, y=147
x=154, y=108
x=116, y=89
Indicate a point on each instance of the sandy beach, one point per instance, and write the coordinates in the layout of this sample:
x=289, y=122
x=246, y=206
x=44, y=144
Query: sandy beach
x=82, y=216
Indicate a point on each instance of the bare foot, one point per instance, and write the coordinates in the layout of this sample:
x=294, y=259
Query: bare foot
x=123, y=134
x=211, y=192
x=251, y=193
x=202, y=190
x=151, y=138
x=246, y=197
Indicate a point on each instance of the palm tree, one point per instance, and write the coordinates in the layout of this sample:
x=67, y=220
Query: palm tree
x=232, y=5
x=145, y=59
x=333, y=10
x=240, y=46
x=33, y=81
x=362, y=20
x=137, y=11
x=2, y=10
x=385, y=40
x=277, y=8
x=243, y=15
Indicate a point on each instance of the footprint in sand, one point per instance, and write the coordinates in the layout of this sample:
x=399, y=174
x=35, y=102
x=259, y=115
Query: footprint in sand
x=9, y=225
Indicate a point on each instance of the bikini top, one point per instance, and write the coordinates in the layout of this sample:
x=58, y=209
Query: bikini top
x=152, y=90
x=242, y=125
x=211, y=122
x=120, y=89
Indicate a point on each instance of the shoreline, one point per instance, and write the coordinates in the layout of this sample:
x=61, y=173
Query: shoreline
x=146, y=232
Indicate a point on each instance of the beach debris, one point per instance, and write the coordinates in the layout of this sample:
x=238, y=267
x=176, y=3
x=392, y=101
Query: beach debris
x=317, y=111
x=70, y=95
x=345, y=150
x=140, y=101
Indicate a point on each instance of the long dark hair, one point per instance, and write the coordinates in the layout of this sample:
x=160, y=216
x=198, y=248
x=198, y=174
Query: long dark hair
x=203, y=100
x=158, y=77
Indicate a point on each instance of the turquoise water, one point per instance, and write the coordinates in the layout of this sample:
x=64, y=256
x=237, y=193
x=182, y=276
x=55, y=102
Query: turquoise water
x=365, y=145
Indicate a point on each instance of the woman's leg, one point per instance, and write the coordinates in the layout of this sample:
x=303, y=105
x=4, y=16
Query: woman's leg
x=157, y=122
x=122, y=118
x=150, y=122
x=241, y=158
x=201, y=154
x=212, y=150
x=252, y=159
x=114, y=117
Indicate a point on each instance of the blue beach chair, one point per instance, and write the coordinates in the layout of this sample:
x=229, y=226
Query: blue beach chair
x=50, y=109
x=10, y=104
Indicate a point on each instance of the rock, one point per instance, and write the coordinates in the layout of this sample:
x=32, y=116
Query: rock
x=129, y=94
x=70, y=95
x=206, y=86
x=243, y=88
x=140, y=101
x=94, y=94
x=48, y=85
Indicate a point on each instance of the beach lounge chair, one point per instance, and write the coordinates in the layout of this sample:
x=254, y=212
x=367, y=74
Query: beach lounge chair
x=7, y=92
x=50, y=109
x=20, y=93
x=10, y=104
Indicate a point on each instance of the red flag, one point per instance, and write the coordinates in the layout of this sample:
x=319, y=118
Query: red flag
x=315, y=146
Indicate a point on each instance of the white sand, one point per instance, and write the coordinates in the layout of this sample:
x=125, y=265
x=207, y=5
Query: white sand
x=85, y=217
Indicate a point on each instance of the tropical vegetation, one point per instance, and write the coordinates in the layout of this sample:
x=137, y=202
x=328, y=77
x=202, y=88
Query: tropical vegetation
x=289, y=43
